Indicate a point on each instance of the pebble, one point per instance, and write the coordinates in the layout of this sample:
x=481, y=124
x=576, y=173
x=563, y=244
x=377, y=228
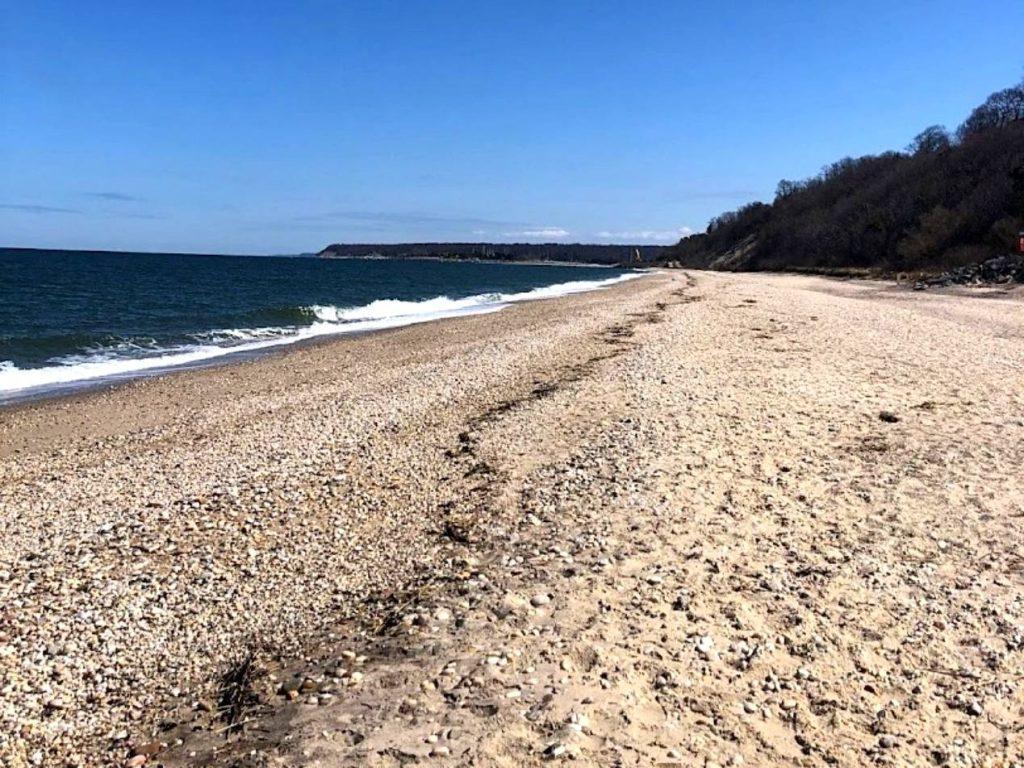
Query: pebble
x=578, y=721
x=705, y=646
x=555, y=749
x=442, y=615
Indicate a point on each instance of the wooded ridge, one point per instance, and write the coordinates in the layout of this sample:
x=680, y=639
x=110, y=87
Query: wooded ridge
x=947, y=200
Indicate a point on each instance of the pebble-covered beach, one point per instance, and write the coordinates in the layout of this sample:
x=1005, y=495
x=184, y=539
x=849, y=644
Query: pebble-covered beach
x=695, y=519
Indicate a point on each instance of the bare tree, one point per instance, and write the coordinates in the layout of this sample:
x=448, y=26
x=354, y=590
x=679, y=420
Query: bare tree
x=932, y=139
x=1001, y=108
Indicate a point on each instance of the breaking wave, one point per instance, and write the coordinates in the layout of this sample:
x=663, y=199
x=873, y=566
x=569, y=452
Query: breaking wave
x=130, y=358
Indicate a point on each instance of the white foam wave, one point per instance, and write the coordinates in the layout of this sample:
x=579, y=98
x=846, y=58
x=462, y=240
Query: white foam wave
x=377, y=315
x=231, y=335
x=392, y=308
x=387, y=308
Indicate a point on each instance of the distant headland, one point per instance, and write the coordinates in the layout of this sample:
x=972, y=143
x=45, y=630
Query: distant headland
x=566, y=253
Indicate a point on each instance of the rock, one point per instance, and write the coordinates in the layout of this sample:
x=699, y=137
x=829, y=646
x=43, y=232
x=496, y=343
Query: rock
x=975, y=709
x=553, y=750
x=442, y=615
x=998, y=270
x=705, y=646
x=540, y=599
x=888, y=417
x=578, y=722
x=887, y=741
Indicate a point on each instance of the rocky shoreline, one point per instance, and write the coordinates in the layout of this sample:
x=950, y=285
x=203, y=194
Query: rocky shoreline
x=1002, y=270
x=706, y=522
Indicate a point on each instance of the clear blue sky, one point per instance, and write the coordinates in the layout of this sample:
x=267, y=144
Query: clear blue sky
x=258, y=127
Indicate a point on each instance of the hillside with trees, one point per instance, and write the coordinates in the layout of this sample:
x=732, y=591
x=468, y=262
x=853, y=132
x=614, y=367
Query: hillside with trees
x=948, y=199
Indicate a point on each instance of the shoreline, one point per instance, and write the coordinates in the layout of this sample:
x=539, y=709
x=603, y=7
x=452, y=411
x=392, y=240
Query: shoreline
x=650, y=523
x=215, y=356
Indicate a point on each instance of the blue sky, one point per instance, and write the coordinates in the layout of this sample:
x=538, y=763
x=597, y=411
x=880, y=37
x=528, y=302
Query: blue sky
x=257, y=127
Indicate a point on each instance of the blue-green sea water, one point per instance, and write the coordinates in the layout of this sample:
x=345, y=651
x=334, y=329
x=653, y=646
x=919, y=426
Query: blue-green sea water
x=68, y=317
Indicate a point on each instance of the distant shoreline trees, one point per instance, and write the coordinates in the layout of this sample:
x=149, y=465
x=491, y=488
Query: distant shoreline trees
x=581, y=253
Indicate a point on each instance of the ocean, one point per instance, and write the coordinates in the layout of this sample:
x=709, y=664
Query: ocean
x=70, y=319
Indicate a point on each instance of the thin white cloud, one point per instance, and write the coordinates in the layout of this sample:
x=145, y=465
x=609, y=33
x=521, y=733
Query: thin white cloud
x=32, y=208
x=541, y=232
x=119, y=197
x=651, y=235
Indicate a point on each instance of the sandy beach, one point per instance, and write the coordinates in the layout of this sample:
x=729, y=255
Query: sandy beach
x=696, y=519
